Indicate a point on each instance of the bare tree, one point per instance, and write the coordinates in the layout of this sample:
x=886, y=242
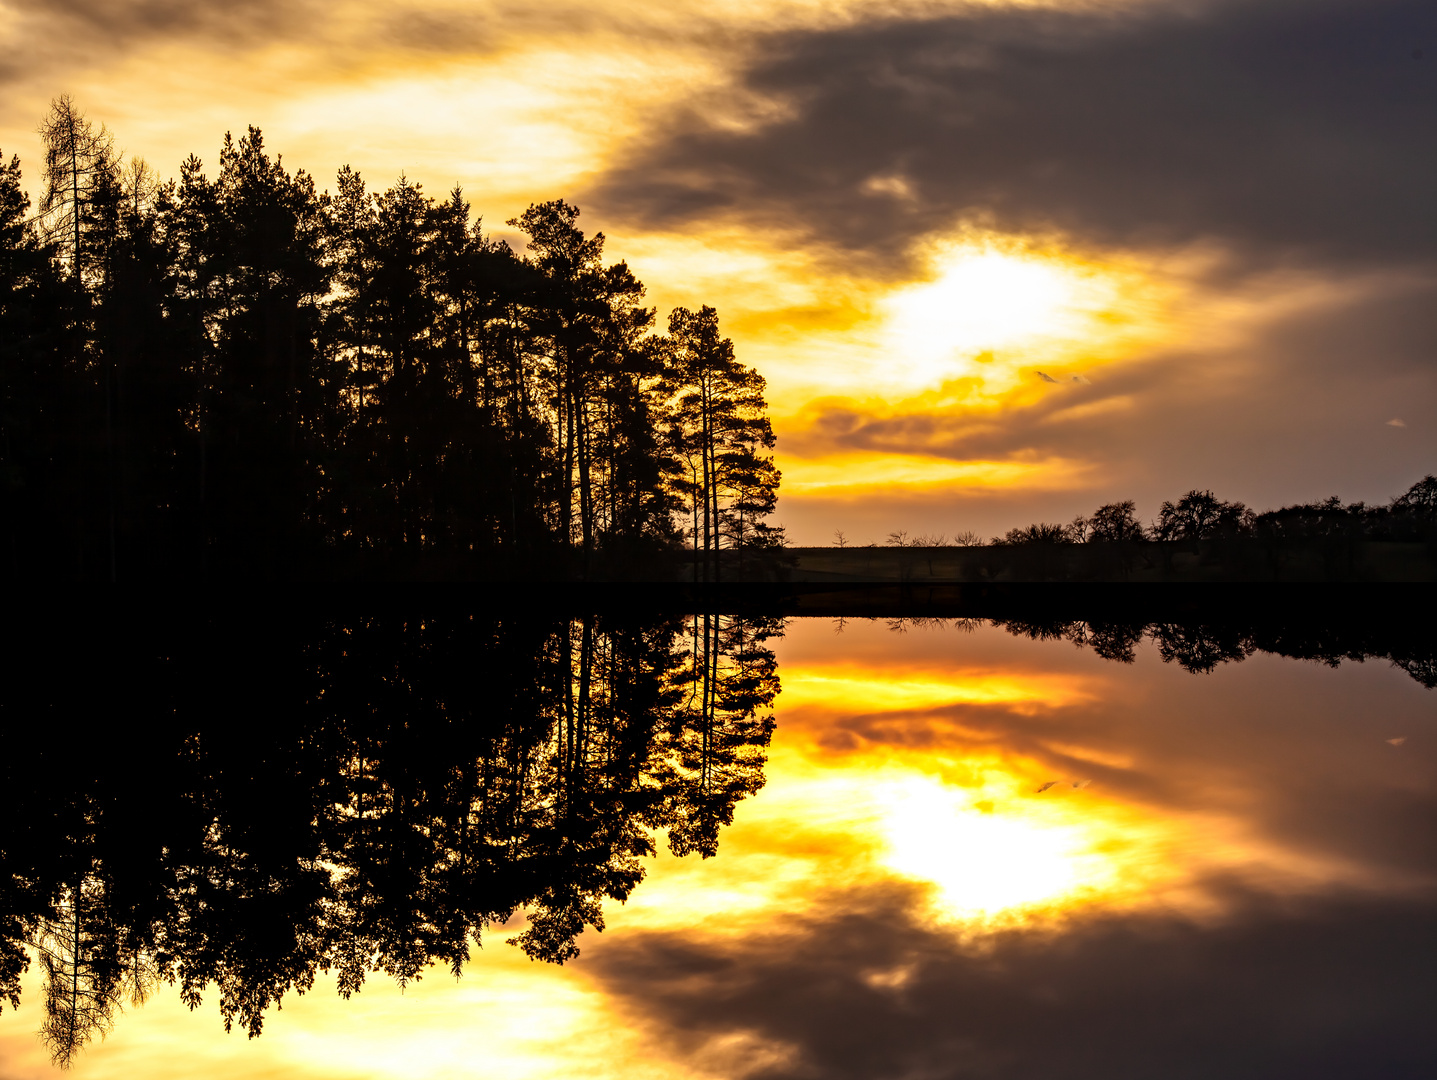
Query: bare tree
x=83, y=976
x=139, y=184
x=80, y=163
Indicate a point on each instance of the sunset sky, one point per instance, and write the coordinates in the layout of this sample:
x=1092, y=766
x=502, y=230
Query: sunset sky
x=998, y=262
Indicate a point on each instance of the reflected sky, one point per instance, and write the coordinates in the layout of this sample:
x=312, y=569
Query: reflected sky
x=975, y=855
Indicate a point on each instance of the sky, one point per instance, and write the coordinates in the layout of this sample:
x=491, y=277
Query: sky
x=975, y=855
x=999, y=262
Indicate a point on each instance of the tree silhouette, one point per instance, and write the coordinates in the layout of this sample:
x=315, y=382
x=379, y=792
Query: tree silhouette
x=1115, y=523
x=1199, y=515
x=722, y=436
x=79, y=176
x=1036, y=534
x=721, y=729
x=239, y=376
x=36, y=383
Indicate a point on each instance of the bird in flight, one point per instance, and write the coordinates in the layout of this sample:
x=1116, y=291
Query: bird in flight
x=1075, y=784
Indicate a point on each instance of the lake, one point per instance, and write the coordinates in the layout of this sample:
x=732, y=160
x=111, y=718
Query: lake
x=842, y=847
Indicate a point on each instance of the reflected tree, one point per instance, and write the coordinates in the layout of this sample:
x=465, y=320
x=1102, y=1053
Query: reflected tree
x=369, y=794
x=85, y=969
x=1201, y=646
x=720, y=731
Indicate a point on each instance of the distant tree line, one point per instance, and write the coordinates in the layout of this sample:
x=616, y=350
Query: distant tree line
x=238, y=375
x=354, y=795
x=1200, y=515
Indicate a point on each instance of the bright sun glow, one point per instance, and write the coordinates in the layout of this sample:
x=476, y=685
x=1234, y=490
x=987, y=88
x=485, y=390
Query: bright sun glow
x=855, y=475
x=984, y=299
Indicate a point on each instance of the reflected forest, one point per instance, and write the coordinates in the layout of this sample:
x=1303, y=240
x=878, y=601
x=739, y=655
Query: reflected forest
x=237, y=375
x=248, y=809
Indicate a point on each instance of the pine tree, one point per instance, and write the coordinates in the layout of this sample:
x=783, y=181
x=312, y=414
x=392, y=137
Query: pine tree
x=36, y=491
x=721, y=433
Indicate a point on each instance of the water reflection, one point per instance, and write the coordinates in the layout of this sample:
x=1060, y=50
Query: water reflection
x=978, y=849
x=1245, y=888
x=368, y=796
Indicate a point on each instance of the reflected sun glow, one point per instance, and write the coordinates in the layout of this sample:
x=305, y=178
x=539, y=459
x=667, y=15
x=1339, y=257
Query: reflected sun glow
x=985, y=864
x=849, y=686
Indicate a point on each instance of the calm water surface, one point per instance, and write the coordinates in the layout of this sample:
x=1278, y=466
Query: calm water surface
x=965, y=852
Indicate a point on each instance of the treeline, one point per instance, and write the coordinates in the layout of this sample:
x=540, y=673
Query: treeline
x=354, y=795
x=237, y=375
x=1200, y=515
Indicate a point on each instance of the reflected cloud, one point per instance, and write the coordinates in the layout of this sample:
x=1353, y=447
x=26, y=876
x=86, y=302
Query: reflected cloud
x=858, y=689
x=859, y=989
x=1168, y=911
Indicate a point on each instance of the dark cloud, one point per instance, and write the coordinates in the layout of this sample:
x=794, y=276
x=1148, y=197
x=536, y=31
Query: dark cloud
x=120, y=21
x=53, y=40
x=861, y=991
x=1277, y=126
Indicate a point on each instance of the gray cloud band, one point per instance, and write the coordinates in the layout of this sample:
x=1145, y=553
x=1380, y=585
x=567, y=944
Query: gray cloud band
x=1330, y=988
x=1277, y=127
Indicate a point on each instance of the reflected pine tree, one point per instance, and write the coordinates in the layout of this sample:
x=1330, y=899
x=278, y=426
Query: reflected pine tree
x=368, y=794
x=720, y=732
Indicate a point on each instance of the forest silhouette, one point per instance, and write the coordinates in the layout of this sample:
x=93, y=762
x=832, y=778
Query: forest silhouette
x=352, y=795
x=245, y=377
